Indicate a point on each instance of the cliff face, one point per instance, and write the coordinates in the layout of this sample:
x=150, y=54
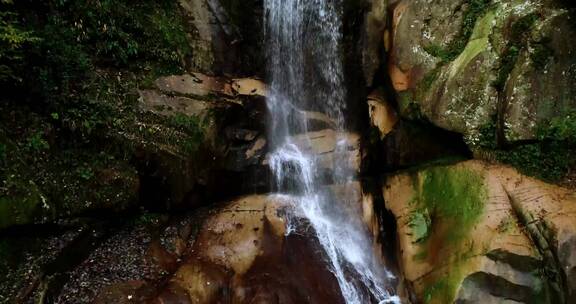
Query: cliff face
x=152, y=172
x=499, y=74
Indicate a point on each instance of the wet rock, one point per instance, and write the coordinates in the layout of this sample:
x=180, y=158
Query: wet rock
x=242, y=255
x=373, y=40
x=208, y=39
x=194, y=84
x=330, y=147
x=412, y=143
x=160, y=104
x=194, y=130
x=488, y=231
x=248, y=87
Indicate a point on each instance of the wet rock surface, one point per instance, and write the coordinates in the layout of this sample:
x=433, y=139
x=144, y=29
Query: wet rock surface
x=242, y=255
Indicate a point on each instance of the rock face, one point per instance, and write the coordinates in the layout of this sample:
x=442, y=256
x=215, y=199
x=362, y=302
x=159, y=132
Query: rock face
x=194, y=128
x=467, y=65
x=382, y=115
x=373, y=40
x=243, y=256
x=479, y=233
x=224, y=35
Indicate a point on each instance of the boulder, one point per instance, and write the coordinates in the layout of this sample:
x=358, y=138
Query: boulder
x=243, y=255
x=465, y=66
x=192, y=130
x=480, y=233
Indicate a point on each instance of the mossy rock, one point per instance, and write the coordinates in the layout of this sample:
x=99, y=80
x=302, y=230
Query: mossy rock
x=483, y=243
x=515, y=73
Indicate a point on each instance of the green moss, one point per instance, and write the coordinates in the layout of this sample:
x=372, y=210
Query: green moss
x=475, y=9
x=453, y=196
x=431, y=77
x=549, y=158
x=420, y=256
x=444, y=289
x=477, y=44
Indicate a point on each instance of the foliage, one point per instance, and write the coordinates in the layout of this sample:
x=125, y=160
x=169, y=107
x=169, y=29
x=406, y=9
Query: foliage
x=13, y=39
x=120, y=31
x=419, y=223
x=85, y=172
x=560, y=128
x=58, y=47
x=36, y=143
x=541, y=54
x=549, y=158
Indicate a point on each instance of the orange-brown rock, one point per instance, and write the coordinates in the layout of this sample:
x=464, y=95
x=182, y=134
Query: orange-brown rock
x=480, y=233
x=242, y=255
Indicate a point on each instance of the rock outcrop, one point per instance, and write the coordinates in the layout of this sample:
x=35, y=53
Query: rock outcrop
x=466, y=65
x=225, y=36
x=194, y=128
x=480, y=233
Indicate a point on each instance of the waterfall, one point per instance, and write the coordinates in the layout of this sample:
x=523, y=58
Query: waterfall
x=305, y=74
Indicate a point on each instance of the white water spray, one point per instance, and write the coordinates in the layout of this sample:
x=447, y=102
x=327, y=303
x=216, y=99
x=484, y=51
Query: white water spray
x=305, y=73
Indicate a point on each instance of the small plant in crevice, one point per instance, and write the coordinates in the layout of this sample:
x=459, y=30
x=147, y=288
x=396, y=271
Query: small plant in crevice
x=420, y=225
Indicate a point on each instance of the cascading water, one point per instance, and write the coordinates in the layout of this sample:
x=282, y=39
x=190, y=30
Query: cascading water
x=305, y=74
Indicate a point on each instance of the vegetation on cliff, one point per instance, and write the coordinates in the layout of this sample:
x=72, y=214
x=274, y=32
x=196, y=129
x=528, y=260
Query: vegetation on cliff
x=70, y=72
